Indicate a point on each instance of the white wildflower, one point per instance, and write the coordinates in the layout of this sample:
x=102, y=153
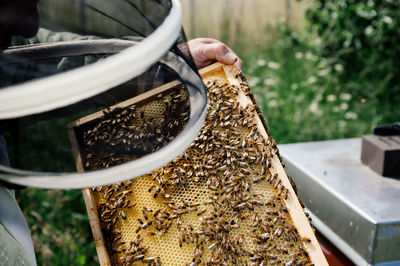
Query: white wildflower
x=331, y=98
x=323, y=63
x=344, y=106
x=253, y=81
x=324, y=72
x=311, y=80
x=341, y=123
x=311, y=57
x=368, y=30
x=261, y=62
x=269, y=82
x=345, y=96
x=272, y=103
x=299, y=98
x=273, y=65
x=313, y=107
x=336, y=109
x=387, y=20
x=350, y=115
x=338, y=67
x=298, y=55
x=294, y=86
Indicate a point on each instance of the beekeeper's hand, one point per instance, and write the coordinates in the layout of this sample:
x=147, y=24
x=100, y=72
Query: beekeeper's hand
x=205, y=51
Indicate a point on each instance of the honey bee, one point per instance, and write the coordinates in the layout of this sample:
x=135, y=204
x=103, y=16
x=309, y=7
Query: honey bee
x=123, y=215
x=149, y=259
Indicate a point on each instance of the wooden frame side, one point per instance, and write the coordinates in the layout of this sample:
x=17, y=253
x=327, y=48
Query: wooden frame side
x=90, y=204
x=94, y=221
x=293, y=205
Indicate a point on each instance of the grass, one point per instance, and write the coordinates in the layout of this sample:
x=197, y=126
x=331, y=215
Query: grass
x=59, y=227
x=299, y=96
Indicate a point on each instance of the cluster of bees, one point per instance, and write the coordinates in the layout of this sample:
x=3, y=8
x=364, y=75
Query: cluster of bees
x=221, y=198
x=123, y=134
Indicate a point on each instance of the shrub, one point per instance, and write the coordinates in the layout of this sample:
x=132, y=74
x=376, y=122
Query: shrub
x=363, y=37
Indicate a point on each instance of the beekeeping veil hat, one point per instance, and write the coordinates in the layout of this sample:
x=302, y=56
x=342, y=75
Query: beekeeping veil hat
x=89, y=55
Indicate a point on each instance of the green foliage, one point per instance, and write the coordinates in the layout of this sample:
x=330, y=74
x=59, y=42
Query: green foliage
x=362, y=36
x=301, y=98
x=338, y=79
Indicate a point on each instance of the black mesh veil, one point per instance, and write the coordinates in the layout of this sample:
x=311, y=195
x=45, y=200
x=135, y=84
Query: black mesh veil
x=111, y=81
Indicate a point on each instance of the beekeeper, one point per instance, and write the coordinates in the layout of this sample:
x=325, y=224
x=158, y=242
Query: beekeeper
x=20, y=18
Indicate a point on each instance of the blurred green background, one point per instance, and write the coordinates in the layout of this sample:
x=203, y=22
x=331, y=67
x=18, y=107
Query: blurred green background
x=319, y=70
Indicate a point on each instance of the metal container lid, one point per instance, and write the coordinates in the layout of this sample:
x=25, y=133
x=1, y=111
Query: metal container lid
x=355, y=208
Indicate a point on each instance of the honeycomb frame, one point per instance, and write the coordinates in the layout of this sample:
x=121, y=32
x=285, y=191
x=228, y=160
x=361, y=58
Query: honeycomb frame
x=291, y=202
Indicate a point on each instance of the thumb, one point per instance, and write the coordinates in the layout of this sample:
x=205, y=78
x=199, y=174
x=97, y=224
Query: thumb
x=221, y=53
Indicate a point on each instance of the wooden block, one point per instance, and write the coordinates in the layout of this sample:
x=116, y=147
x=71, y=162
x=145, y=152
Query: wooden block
x=382, y=154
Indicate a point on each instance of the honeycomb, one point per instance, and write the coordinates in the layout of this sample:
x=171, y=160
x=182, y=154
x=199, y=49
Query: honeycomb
x=221, y=202
x=123, y=134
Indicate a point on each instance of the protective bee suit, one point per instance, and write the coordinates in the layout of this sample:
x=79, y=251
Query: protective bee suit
x=18, y=67
x=16, y=247
x=103, y=30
